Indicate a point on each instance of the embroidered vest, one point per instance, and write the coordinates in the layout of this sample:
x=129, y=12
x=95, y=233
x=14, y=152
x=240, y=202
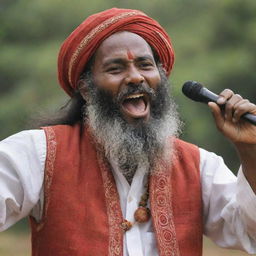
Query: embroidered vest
x=82, y=213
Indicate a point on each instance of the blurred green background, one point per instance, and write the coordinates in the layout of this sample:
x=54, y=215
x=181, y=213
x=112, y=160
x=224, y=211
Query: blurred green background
x=214, y=43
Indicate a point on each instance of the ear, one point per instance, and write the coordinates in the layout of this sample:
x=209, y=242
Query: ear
x=83, y=88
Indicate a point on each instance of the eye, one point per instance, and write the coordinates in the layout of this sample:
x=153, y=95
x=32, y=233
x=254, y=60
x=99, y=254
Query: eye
x=114, y=69
x=146, y=65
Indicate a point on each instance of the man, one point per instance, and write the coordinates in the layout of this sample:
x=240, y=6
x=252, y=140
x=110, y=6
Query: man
x=89, y=178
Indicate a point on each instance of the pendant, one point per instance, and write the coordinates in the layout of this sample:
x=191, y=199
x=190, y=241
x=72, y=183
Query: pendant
x=126, y=225
x=142, y=214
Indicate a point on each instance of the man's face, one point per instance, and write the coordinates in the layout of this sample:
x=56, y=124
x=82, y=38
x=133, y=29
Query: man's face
x=128, y=106
x=124, y=66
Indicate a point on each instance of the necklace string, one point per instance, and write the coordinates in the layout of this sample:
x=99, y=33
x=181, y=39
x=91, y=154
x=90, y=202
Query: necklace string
x=142, y=213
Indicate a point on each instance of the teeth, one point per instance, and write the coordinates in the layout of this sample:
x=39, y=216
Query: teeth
x=134, y=96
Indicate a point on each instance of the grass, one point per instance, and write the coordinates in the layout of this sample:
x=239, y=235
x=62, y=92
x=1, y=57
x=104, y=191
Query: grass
x=210, y=249
x=14, y=244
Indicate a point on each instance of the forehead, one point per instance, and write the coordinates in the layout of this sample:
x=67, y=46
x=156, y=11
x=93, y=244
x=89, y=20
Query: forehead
x=120, y=45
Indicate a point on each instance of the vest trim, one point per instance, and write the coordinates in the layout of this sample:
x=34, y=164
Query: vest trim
x=162, y=213
x=49, y=170
x=114, y=211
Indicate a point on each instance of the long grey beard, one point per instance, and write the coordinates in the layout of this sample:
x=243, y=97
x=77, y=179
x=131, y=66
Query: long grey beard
x=145, y=146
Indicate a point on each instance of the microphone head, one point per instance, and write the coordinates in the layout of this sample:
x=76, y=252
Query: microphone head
x=192, y=90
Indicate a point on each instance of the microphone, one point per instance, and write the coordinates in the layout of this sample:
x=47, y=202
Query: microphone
x=195, y=91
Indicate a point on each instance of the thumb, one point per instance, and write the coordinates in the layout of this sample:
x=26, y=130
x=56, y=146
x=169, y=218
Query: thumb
x=216, y=112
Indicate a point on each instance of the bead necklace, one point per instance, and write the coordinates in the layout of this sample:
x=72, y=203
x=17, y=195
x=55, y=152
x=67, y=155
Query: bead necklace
x=142, y=214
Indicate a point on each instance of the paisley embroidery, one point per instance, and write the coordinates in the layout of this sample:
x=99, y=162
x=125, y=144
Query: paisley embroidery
x=162, y=213
x=114, y=212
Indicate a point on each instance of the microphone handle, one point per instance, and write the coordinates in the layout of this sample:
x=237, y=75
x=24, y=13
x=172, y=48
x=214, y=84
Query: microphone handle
x=250, y=118
x=208, y=96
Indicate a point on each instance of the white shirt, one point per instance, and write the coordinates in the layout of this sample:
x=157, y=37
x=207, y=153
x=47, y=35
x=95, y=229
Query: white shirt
x=229, y=202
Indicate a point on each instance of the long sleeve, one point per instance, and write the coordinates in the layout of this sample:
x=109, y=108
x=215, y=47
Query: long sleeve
x=22, y=159
x=229, y=205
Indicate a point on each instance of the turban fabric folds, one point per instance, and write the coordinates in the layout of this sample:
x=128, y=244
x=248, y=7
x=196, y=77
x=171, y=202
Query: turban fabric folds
x=82, y=43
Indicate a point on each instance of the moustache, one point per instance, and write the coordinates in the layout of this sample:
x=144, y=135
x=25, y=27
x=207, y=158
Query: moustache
x=134, y=89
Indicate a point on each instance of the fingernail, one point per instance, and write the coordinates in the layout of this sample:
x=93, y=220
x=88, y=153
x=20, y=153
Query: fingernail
x=221, y=100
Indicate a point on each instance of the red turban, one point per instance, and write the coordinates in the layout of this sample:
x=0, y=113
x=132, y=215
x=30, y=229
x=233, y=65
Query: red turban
x=87, y=37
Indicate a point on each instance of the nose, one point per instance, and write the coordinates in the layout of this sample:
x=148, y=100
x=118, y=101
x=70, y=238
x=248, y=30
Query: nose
x=134, y=76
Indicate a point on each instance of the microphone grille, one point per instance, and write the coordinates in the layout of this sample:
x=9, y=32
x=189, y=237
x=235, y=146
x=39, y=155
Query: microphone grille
x=192, y=90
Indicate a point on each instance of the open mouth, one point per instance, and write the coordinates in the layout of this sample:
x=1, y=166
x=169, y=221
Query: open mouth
x=136, y=105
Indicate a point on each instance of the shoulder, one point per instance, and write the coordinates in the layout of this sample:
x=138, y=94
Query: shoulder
x=25, y=138
x=61, y=138
x=28, y=143
x=182, y=146
x=185, y=149
x=210, y=159
x=186, y=153
x=24, y=151
x=62, y=130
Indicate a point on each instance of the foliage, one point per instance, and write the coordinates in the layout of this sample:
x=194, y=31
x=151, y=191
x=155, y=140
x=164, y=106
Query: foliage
x=214, y=43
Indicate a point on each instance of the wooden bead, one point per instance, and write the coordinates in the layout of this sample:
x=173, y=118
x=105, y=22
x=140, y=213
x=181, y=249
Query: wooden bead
x=126, y=225
x=143, y=203
x=142, y=214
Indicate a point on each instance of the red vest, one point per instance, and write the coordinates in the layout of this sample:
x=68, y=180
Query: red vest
x=82, y=213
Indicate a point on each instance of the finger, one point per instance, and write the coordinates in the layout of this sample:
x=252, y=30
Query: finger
x=216, y=111
x=242, y=107
x=230, y=106
x=224, y=96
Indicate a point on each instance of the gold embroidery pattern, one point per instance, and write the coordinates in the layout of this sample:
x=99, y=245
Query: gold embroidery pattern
x=49, y=168
x=113, y=209
x=93, y=33
x=168, y=45
x=161, y=204
x=165, y=40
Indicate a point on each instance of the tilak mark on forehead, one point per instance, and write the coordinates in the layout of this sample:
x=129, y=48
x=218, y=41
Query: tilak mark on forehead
x=130, y=55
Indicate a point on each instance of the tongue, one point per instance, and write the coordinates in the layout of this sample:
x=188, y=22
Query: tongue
x=135, y=106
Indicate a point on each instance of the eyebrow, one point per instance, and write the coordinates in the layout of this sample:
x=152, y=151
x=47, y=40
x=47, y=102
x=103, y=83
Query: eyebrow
x=123, y=60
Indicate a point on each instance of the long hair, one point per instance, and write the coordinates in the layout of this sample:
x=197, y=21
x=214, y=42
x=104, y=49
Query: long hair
x=69, y=114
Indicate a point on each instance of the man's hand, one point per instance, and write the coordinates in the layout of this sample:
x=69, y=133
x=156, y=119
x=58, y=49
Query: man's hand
x=229, y=121
x=240, y=132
